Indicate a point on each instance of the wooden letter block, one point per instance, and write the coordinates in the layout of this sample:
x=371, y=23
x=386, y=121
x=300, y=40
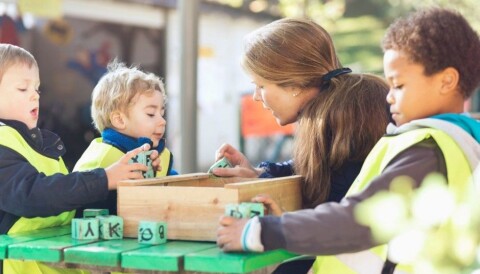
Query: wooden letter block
x=94, y=212
x=150, y=173
x=152, y=232
x=232, y=210
x=222, y=163
x=144, y=158
x=251, y=209
x=111, y=227
x=85, y=229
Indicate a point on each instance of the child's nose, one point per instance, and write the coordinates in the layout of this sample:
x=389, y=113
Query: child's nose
x=162, y=121
x=35, y=95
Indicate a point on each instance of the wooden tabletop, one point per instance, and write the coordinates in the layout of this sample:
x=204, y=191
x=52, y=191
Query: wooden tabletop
x=55, y=246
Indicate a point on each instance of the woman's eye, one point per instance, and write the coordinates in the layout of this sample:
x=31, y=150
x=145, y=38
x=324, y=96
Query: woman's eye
x=150, y=115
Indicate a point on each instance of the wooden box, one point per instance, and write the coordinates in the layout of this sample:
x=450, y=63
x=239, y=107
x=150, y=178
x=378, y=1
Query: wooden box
x=192, y=204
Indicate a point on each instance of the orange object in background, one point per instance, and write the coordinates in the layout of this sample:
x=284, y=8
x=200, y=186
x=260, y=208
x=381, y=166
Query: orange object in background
x=255, y=121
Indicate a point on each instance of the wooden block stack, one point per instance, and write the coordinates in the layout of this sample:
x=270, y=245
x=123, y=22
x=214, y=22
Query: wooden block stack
x=97, y=224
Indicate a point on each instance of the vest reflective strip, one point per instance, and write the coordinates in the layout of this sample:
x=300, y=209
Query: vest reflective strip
x=99, y=154
x=458, y=175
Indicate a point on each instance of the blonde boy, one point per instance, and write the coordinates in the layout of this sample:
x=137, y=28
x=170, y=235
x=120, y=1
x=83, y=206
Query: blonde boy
x=36, y=190
x=128, y=108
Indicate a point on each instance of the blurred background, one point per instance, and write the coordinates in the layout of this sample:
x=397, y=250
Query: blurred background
x=73, y=40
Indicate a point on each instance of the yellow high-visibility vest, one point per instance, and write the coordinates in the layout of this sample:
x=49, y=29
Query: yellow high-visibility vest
x=99, y=154
x=459, y=175
x=12, y=139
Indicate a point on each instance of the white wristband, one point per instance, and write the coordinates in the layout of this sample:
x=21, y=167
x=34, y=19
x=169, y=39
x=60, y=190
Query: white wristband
x=251, y=236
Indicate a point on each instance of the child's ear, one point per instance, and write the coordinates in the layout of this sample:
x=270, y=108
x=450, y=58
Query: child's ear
x=117, y=119
x=450, y=78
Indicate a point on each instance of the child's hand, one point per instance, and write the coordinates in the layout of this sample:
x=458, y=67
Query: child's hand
x=155, y=160
x=229, y=234
x=242, y=167
x=271, y=206
x=122, y=170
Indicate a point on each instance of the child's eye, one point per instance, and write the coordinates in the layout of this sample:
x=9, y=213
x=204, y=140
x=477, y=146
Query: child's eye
x=22, y=89
x=150, y=115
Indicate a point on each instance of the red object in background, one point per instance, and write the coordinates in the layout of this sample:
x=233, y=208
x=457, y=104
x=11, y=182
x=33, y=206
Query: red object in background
x=255, y=121
x=8, y=31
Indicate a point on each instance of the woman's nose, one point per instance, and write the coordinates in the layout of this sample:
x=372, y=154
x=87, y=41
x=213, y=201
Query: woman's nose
x=256, y=96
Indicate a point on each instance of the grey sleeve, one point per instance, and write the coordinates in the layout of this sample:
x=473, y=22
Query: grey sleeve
x=331, y=228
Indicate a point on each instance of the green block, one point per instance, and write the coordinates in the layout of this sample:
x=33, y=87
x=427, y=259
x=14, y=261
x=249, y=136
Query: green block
x=85, y=229
x=152, y=232
x=222, y=163
x=111, y=227
x=252, y=209
x=232, y=210
x=150, y=173
x=244, y=210
x=144, y=158
x=94, y=212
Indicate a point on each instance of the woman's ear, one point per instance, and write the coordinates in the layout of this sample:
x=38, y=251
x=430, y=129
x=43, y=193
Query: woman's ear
x=117, y=119
x=450, y=79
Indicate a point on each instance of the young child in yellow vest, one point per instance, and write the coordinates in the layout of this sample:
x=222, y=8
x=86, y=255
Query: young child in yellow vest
x=128, y=108
x=36, y=190
x=432, y=64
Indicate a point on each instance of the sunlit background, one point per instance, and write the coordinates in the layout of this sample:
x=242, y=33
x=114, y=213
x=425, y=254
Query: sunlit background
x=73, y=40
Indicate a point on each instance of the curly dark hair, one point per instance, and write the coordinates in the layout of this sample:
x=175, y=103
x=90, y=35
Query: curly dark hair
x=438, y=38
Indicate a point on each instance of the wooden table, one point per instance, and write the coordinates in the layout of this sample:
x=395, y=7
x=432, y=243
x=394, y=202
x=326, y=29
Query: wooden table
x=56, y=247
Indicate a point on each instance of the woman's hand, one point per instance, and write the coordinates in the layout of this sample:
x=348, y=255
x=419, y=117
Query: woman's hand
x=242, y=167
x=229, y=234
x=271, y=206
x=122, y=170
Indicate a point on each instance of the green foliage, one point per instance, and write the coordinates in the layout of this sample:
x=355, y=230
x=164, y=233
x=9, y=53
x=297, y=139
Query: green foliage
x=434, y=228
x=357, y=26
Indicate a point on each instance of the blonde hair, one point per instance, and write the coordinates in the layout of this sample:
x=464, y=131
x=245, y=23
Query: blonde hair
x=342, y=123
x=11, y=55
x=117, y=89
